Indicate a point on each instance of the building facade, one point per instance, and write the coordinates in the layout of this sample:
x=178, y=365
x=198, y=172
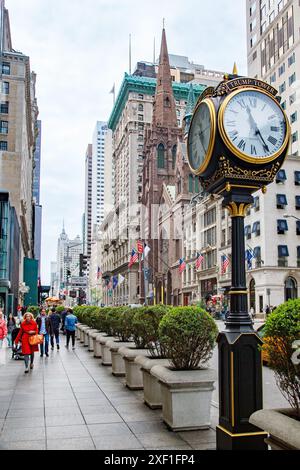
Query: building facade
x=18, y=123
x=68, y=262
x=88, y=201
x=273, y=38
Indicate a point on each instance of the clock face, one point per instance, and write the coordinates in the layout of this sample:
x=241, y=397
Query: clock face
x=201, y=135
x=254, y=125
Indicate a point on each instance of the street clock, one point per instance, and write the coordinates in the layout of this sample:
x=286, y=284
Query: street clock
x=238, y=133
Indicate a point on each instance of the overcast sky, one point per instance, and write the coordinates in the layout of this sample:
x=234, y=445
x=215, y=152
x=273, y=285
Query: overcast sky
x=79, y=49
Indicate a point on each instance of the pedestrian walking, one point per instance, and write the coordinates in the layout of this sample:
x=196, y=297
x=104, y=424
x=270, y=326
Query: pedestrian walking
x=63, y=319
x=11, y=325
x=28, y=328
x=252, y=313
x=3, y=328
x=45, y=329
x=55, y=323
x=70, y=327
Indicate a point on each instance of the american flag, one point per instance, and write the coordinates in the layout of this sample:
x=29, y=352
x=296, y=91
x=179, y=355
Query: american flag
x=199, y=260
x=224, y=264
x=140, y=247
x=134, y=258
x=182, y=266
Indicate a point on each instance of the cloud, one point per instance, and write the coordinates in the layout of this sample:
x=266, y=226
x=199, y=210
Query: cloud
x=78, y=50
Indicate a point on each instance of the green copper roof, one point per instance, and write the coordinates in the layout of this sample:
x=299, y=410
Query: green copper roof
x=146, y=86
x=191, y=101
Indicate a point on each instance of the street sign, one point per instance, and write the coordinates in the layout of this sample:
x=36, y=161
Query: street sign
x=78, y=281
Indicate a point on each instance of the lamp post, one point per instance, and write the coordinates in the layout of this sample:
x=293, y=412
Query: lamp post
x=289, y=216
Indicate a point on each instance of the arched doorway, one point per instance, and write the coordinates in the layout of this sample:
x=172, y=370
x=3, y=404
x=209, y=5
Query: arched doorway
x=252, y=294
x=290, y=289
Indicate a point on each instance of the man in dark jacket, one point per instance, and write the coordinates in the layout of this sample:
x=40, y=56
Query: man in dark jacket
x=44, y=328
x=55, y=322
x=63, y=319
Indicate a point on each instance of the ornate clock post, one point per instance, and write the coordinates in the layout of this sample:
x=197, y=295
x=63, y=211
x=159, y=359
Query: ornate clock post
x=238, y=140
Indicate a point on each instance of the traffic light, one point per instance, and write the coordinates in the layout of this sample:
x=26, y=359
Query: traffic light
x=83, y=261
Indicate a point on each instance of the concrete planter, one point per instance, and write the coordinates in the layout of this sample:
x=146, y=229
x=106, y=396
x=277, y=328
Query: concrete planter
x=94, y=336
x=97, y=344
x=90, y=339
x=77, y=334
x=117, y=361
x=82, y=331
x=86, y=337
x=152, y=388
x=134, y=376
x=283, y=430
x=105, y=350
x=186, y=397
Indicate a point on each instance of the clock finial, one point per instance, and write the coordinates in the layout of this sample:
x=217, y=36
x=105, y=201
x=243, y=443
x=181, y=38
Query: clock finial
x=235, y=69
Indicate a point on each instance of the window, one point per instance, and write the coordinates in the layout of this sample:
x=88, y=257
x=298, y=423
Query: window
x=291, y=59
x=292, y=98
x=141, y=107
x=283, y=253
x=282, y=227
x=161, y=156
x=3, y=127
x=294, y=137
x=4, y=107
x=282, y=88
x=298, y=256
x=297, y=202
x=283, y=105
x=297, y=178
x=294, y=117
x=281, y=201
x=256, y=229
x=174, y=153
x=141, y=97
x=292, y=78
x=248, y=232
x=298, y=227
x=281, y=177
x=3, y=145
x=140, y=117
x=5, y=88
x=256, y=204
x=197, y=185
x=281, y=70
x=6, y=68
x=257, y=255
x=191, y=183
x=273, y=78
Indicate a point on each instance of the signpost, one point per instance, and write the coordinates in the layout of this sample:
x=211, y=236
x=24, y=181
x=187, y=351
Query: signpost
x=238, y=140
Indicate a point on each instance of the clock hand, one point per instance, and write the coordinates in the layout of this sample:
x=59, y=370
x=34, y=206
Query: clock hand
x=265, y=146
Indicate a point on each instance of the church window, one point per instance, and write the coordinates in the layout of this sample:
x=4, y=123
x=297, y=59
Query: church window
x=161, y=156
x=191, y=183
x=174, y=152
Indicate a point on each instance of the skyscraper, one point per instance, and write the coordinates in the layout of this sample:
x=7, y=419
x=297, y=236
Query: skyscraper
x=88, y=200
x=273, y=39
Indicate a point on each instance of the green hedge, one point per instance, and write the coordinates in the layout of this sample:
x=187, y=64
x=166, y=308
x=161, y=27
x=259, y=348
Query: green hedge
x=281, y=332
x=186, y=335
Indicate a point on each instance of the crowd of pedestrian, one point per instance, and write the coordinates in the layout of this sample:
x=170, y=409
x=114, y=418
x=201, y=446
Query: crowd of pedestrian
x=30, y=335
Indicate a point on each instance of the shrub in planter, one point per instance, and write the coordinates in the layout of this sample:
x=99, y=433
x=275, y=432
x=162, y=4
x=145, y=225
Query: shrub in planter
x=281, y=333
x=145, y=324
x=34, y=309
x=119, y=324
x=129, y=329
x=188, y=336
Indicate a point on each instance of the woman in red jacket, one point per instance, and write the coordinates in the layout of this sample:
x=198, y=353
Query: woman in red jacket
x=3, y=328
x=28, y=328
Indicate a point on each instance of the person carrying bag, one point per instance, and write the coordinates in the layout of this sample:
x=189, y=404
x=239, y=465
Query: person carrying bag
x=28, y=329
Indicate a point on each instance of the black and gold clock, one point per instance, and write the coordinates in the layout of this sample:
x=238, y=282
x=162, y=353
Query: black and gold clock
x=253, y=126
x=202, y=136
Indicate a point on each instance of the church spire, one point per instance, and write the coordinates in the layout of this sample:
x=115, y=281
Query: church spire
x=164, y=113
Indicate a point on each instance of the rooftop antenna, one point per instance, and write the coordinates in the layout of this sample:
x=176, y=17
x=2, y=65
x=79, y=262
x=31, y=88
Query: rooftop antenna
x=164, y=23
x=129, y=54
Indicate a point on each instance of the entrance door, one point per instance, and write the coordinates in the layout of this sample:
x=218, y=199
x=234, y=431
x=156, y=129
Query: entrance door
x=290, y=289
x=186, y=300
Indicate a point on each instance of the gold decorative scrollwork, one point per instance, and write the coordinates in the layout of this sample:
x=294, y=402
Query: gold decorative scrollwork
x=227, y=170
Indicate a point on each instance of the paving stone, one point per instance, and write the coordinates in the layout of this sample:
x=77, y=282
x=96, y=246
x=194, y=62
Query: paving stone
x=23, y=434
x=26, y=413
x=66, y=420
x=70, y=444
x=143, y=427
x=117, y=443
x=198, y=437
x=102, y=418
x=110, y=429
x=23, y=445
x=159, y=439
x=65, y=432
x=18, y=423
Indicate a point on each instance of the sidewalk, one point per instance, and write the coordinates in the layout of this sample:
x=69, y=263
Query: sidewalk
x=69, y=401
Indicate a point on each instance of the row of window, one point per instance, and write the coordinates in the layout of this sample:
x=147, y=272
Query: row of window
x=161, y=156
x=282, y=87
x=281, y=177
x=282, y=228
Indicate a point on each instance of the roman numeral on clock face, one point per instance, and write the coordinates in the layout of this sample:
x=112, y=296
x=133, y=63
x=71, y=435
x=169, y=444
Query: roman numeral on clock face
x=231, y=123
x=253, y=150
x=274, y=129
x=242, y=145
x=272, y=140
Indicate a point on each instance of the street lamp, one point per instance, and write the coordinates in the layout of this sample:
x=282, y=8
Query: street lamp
x=289, y=216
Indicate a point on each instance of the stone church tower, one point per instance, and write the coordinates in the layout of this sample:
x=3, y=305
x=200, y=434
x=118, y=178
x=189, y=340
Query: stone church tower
x=160, y=154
